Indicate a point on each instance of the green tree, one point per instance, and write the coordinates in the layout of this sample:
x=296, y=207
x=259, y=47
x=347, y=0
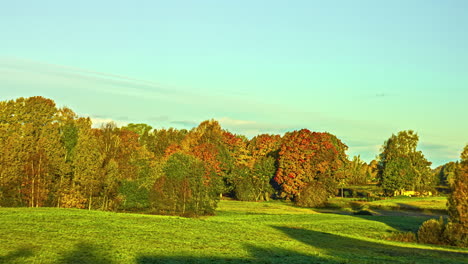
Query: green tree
x=357, y=172
x=184, y=188
x=446, y=173
x=403, y=168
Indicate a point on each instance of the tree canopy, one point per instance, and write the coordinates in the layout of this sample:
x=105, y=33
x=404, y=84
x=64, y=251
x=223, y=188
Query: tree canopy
x=53, y=157
x=402, y=167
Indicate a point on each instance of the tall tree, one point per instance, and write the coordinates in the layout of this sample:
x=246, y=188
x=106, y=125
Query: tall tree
x=87, y=162
x=184, y=188
x=109, y=143
x=42, y=144
x=446, y=173
x=457, y=228
x=402, y=167
x=309, y=158
x=357, y=172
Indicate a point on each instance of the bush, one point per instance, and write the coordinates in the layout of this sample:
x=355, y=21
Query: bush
x=312, y=195
x=456, y=235
x=432, y=232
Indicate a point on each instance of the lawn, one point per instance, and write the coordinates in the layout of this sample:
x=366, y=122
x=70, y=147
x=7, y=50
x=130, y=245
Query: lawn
x=240, y=232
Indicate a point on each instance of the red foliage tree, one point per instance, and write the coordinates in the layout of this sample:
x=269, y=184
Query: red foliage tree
x=307, y=157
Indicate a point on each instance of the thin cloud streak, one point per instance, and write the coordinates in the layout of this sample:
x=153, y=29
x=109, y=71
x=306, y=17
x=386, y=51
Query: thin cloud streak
x=109, y=96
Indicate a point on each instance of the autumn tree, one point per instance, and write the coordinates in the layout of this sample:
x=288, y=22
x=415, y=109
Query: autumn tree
x=11, y=165
x=137, y=167
x=206, y=142
x=110, y=174
x=252, y=179
x=87, y=165
x=162, y=141
x=402, y=167
x=457, y=228
x=143, y=131
x=309, y=158
x=44, y=153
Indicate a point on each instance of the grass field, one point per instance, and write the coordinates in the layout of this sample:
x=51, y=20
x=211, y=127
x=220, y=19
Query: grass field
x=245, y=232
x=421, y=204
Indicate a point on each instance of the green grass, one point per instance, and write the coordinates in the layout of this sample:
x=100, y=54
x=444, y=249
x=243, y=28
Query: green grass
x=424, y=204
x=245, y=232
x=438, y=203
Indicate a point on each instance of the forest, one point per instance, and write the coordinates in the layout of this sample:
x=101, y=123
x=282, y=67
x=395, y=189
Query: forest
x=51, y=157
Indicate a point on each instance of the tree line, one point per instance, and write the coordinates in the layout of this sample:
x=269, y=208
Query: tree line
x=52, y=157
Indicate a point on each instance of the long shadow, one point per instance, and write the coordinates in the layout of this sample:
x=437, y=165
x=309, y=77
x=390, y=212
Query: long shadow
x=17, y=256
x=407, y=207
x=360, y=251
x=333, y=249
x=257, y=255
x=85, y=253
x=400, y=223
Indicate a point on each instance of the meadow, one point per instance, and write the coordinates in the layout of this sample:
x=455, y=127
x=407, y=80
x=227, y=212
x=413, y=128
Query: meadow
x=427, y=205
x=240, y=232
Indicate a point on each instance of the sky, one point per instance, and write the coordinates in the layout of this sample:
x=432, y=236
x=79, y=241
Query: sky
x=362, y=70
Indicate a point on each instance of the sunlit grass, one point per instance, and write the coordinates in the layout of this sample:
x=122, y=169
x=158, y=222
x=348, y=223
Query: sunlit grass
x=396, y=203
x=271, y=232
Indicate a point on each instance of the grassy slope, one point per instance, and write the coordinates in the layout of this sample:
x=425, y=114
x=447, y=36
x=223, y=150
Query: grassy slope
x=240, y=232
x=436, y=204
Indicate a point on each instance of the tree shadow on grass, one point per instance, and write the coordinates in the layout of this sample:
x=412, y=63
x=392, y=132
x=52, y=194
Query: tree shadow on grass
x=324, y=248
x=257, y=255
x=402, y=224
x=18, y=255
x=85, y=253
x=360, y=251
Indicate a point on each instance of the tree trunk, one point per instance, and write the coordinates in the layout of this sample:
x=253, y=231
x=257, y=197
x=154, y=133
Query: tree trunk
x=90, y=200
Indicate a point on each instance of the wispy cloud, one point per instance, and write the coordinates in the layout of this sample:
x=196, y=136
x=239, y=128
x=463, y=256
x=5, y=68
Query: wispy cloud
x=122, y=99
x=161, y=118
x=185, y=123
x=52, y=74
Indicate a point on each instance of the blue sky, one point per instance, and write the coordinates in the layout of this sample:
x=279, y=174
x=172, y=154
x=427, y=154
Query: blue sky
x=361, y=70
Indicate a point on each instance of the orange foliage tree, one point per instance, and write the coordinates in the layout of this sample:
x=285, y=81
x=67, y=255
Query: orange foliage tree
x=306, y=158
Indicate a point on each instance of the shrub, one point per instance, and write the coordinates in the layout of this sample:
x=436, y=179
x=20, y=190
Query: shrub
x=432, y=232
x=73, y=199
x=313, y=194
x=456, y=235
